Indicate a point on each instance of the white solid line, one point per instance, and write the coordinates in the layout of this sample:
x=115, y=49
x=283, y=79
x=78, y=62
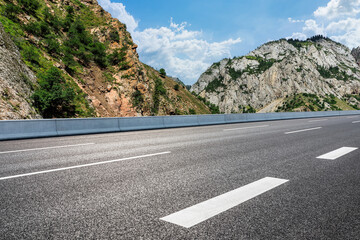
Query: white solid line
x=303, y=130
x=353, y=117
x=356, y=122
x=233, y=129
x=198, y=213
x=337, y=153
x=320, y=120
x=45, y=148
x=81, y=166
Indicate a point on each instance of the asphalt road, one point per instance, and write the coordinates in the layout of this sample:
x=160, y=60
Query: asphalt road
x=125, y=185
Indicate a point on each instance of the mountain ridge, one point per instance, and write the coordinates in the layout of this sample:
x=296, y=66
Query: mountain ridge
x=283, y=71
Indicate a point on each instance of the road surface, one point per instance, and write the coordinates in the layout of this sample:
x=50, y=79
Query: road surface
x=291, y=179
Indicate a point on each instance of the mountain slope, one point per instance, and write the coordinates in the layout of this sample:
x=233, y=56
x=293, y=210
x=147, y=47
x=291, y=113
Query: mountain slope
x=97, y=59
x=356, y=53
x=16, y=82
x=284, y=75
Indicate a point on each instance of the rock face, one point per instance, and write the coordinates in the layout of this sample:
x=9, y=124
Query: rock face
x=266, y=77
x=356, y=53
x=16, y=82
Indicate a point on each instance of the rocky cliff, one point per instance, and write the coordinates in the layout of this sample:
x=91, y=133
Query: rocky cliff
x=16, y=82
x=356, y=53
x=285, y=75
x=97, y=58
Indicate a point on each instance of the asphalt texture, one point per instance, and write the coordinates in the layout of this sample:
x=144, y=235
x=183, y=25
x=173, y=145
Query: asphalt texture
x=126, y=199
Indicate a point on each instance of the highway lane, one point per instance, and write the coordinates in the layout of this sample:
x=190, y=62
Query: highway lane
x=125, y=200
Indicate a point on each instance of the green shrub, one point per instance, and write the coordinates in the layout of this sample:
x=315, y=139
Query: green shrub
x=40, y=29
x=52, y=20
x=213, y=108
x=70, y=63
x=158, y=91
x=114, y=36
x=176, y=87
x=235, y=74
x=249, y=109
x=162, y=72
x=333, y=72
x=52, y=45
x=214, y=85
x=31, y=54
x=54, y=98
x=192, y=111
x=11, y=11
x=30, y=5
x=117, y=57
x=137, y=99
x=99, y=52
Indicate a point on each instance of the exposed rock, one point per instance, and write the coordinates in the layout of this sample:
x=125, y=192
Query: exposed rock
x=356, y=53
x=16, y=82
x=277, y=70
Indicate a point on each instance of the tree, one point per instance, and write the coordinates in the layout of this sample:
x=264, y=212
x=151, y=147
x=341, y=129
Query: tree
x=30, y=5
x=162, y=72
x=176, y=87
x=99, y=52
x=114, y=36
x=54, y=97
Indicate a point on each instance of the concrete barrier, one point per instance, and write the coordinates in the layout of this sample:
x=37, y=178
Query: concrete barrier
x=235, y=118
x=211, y=119
x=85, y=126
x=61, y=127
x=181, y=121
x=255, y=117
x=27, y=129
x=141, y=123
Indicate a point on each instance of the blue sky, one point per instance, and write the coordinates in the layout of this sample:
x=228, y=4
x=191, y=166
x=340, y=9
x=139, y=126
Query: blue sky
x=186, y=37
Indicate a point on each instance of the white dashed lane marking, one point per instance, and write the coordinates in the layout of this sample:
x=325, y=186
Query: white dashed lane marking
x=200, y=212
x=46, y=148
x=319, y=120
x=304, y=130
x=82, y=166
x=337, y=153
x=243, y=128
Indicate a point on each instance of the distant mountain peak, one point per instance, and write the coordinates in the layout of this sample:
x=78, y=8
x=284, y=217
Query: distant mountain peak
x=280, y=70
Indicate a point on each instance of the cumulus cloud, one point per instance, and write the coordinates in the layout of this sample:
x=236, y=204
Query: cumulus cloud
x=339, y=20
x=338, y=8
x=311, y=26
x=183, y=53
x=118, y=11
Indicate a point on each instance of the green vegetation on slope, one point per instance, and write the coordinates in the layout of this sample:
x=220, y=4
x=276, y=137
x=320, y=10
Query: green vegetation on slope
x=49, y=36
x=333, y=72
x=215, y=84
x=264, y=64
x=312, y=102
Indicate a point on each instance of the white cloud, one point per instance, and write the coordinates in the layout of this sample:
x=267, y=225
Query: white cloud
x=118, y=11
x=183, y=53
x=338, y=8
x=338, y=20
x=295, y=20
x=298, y=35
x=312, y=27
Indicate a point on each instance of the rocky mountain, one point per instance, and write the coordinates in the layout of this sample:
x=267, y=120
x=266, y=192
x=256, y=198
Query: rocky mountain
x=356, y=53
x=286, y=75
x=97, y=68
x=16, y=82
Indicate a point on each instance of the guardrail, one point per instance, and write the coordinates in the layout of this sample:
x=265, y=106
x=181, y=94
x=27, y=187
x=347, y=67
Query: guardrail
x=21, y=129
